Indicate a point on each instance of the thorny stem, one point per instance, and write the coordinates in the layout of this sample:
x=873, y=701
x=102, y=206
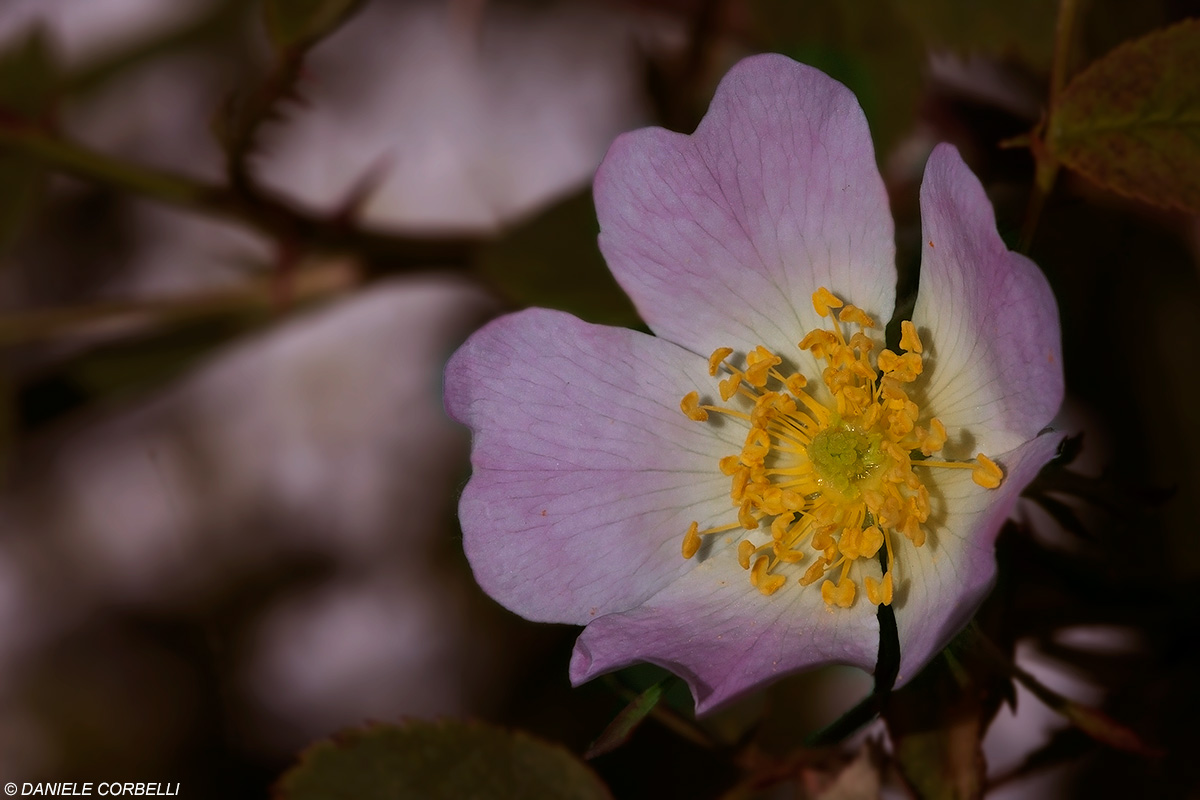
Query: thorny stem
x=48, y=323
x=1047, y=165
x=269, y=215
x=258, y=108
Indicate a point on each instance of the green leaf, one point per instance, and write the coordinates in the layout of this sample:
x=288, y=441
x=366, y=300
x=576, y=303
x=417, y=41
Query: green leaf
x=447, y=760
x=1131, y=121
x=299, y=24
x=553, y=261
x=626, y=722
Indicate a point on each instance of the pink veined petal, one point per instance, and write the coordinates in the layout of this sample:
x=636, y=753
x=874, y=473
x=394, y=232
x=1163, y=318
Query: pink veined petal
x=717, y=632
x=940, y=585
x=721, y=237
x=987, y=318
x=586, y=474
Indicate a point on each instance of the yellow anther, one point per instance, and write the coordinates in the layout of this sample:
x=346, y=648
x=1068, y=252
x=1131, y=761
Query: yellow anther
x=813, y=573
x=691, y=540
x=746, y=516
x=729, y=386
x=780, y=525
x=759, y=362
x=862, y=343
x=987, y=473
x=770, y=584
x=936, y=438
x=849, y=543
x=787, y=556
x=840, y=595
x=745, y=550
x=911, y=528
x=879, y=592
x=729, y=465
x=759, y=570
x=765, y=407
x=819, y=341
x=791, y=501
x=856, y=316
x=909, y=340
x=824, y=300
x=795, y=383
x=870, y=541
x=690, y=405
x=904, y=369
x=758, y=444
x=852, y=400
x=918, y=505
x=719, y=355
x=822, y=539
x=737, y=490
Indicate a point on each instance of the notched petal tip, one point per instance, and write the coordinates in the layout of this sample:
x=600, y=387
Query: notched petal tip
x=774, y=195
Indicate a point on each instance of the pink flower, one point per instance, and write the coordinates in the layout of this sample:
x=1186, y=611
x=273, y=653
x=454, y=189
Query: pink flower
x=719, y=498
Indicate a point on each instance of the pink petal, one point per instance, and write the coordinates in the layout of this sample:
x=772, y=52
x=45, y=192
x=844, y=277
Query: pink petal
x=987, y=318
x=586, y=473
x=722, y=636
x=940, y=585
x=721, y=237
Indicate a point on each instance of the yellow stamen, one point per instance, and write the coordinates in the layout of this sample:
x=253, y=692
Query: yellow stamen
x=714, y=361
x=909, y=340
x=690, y=405
x=856, y=316
x=841, y=594
x=744, y=551
x=813, y=573
x=691, y=540
x=988, y=474
x=936, y=438
x=879, y=593
x=759, y=570
x=833, y=477
x=728, y=387
x=769, y=584
x=824, y=300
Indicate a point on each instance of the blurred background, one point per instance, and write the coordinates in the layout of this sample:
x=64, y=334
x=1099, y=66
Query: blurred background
x=233, y=262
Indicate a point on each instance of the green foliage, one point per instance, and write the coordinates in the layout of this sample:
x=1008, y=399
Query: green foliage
x=626, y=722
x=1131, y=121
x=298, y=24
x=552, y=261
x=447, y=760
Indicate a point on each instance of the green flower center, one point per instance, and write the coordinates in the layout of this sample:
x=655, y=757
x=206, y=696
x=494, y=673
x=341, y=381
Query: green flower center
x=843, y=456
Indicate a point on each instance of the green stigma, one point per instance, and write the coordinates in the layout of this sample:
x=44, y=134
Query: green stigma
x=843, y=456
